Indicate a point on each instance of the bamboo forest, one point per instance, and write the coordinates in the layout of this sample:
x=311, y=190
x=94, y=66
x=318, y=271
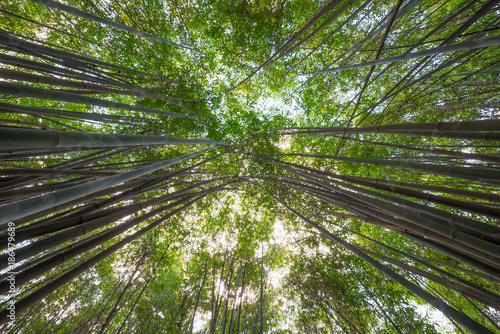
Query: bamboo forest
x=250, y=166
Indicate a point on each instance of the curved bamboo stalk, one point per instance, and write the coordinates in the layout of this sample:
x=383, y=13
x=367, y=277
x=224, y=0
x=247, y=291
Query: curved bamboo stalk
x=23, y=208
x=464, y=126
x=37, y=111
x=92, y=218
x=95, y=18
x=58, y=70
x=89, y=243
x=458, y=316
x=429, y=224
x=466, y=291
x=18, y=139
x=36, y=190
x=48, y=288
x=457, y=154
x=27, y=124
x=54, y=172
x=408, y=221
x=97, y=89
x=454, y=191
x=467, y=45
x=472, y=262
x=48, y=94
x=39, y=50
x=484, y=175
x=423, y=260
x=136, y=186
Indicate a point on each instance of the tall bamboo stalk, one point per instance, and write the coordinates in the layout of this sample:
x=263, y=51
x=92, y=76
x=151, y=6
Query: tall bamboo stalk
x=26, y=207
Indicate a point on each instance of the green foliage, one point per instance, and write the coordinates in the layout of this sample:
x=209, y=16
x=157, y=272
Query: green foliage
x=208, y=265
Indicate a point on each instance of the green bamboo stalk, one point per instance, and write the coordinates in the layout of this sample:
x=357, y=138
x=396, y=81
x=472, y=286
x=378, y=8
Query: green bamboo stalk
x=20, y=209
x=467, y=45
x=458, y=154
x=20, y=181
x=485, y=175
x=37, y=111
x=41, y=153
x=49, y=94
x=37, y=190
x=54, y=172
x=466, y=291
x=468, y=224
x=463, y=126
x=26, y=124
x=81, y=247
x=456, y=315
x=136, y=186
x=95, y=18
x=472, y=262
x=50, y=287
x=94, y=220
x=18, y=139
x=461, y=205
x=88, y=204
x=41, y=67
x=40, y=50
x=479, y=246
x=411, y=223
x=422, y=260
x=487, y=229
x=81, y=86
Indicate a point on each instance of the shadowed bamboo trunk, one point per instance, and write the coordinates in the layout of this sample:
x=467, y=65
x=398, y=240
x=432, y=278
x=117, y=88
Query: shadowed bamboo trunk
x=50, y=287
x=26, y=207
x=459, y=317
x=57, y=95
x=467, y=45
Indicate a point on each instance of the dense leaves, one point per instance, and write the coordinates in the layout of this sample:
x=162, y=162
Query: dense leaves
x=335, y=198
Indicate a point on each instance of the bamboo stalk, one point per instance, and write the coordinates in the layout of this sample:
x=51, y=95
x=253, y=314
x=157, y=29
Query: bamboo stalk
x=48, y=94
x=23, y=208
x=95, y=18
x=467, y=45
x=48, y=288
x=460, y=317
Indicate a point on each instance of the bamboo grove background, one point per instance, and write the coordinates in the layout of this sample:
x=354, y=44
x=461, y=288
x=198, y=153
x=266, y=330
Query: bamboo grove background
x=294, y=166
